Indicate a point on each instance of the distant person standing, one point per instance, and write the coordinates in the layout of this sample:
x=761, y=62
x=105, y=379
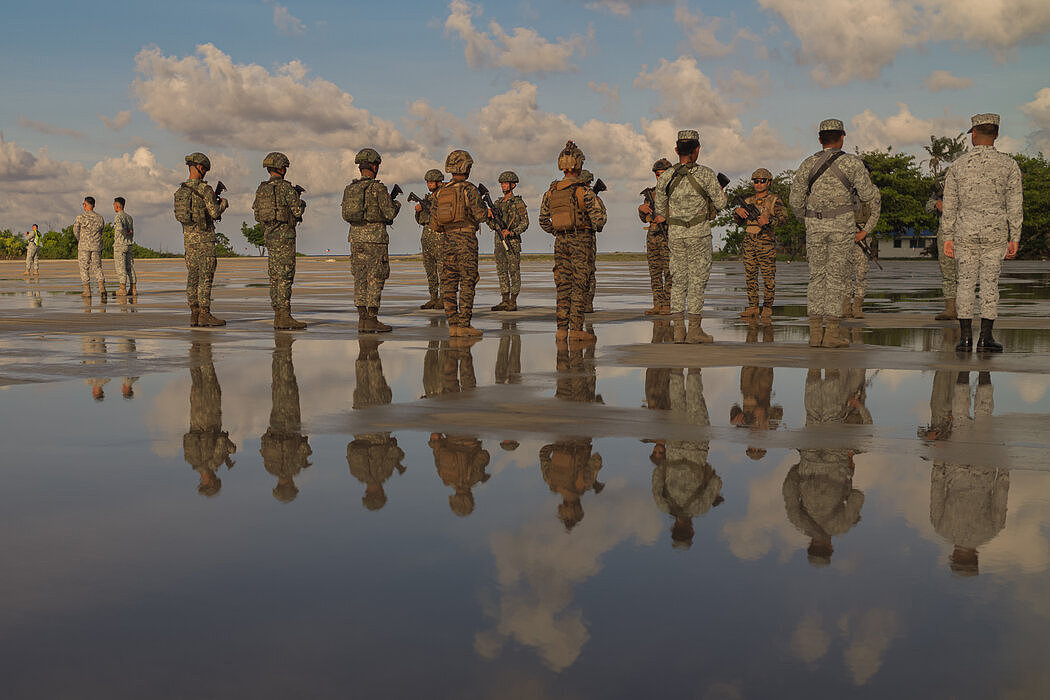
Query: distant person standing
x=430, y=240
x=507, y=244
x=87, y=228
x=197, y=208
x=123, y=249
x=982, y=226
x=656, y=249
x=32, y=252
x=279, y=207
x=935, y=205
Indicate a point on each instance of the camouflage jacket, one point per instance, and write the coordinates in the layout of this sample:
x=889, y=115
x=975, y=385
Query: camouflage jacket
x=380, y=211
x=593, y=212
x=214, y=209
x=968, y=504
x=514, y=213
x=423, y=215
x=123, y=230
x=829, y=199
x=87, y=228
x=649, y=195
x=982, y=197
x=373, y=457
x=285, y=196
x=685, y=490
x=770, y=205
x=686, y=208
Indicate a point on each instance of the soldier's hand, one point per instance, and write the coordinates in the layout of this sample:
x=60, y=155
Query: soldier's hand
x=490, y=213
x=645, y=209
x=1011, y=250
x=939, y=204
x=507, y=233
x=860, y=236
x=741, y=212
x=419, y=207
x=658, y=219
x=949, y=249
x=223, y=200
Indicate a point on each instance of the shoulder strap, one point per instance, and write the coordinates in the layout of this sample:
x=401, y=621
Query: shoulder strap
x=821, y=170
x=842, y=177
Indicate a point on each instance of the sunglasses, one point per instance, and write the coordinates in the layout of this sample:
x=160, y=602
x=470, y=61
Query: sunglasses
x=759, y=180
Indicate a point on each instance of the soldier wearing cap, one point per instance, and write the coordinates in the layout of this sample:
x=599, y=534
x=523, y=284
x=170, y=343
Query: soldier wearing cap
x=506, y=247
x=87, y=229
x=656, y=250
x=982, y=226
x=369, y=209
x=197, y=209
x=760, y=245
x=587, y=177
x=826, y=189
x=430, y=241
x=279, y=207
x=688, y=197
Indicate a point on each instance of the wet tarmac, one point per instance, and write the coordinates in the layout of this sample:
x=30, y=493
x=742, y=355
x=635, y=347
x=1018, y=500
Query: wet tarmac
x=241, y=512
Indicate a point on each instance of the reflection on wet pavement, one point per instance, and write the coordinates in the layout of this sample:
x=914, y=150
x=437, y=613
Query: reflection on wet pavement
x=621, y=519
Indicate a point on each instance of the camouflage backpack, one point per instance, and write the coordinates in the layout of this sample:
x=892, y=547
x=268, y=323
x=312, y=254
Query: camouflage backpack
x=565, y=201
x=449, y=207
x=266, y=208
x=189, y=206
x=355, y=204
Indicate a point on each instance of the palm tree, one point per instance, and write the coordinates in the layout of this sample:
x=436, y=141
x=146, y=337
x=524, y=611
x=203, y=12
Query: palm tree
x=944, y=149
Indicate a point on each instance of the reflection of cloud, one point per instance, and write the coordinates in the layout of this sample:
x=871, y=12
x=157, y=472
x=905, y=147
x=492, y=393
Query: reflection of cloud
x=810, y=641
x=869, y=640
x=538, y=567
x=765, y=525
x=1031, y=388
x=1022, y=545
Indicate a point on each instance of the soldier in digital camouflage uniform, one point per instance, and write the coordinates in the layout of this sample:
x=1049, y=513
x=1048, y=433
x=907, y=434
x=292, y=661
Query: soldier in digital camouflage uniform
x=573, y=230
x=430, y=240
x=507, y=244
x=278, y=208
x=372, y=457
x=858, y=264
x=284, y=448
x=656, y=248
x=206, y=445
x=123, y=249
x=369, y=209
x=592, y=280
x=197, y=209
x=32, y=252
x=508, y=355
x=760, y=244
x=87, y=228
x=687, y=197
x=827, y=205
x=935, y=205
x=982, y=226
x=459, y=268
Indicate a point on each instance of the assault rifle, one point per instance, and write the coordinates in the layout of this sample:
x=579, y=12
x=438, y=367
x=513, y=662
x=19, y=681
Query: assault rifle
x=486, y=199
x=413, y=197
x=396, y=191
x=599, y=186
x=647, y=198
x=752, y=211
x=723, y=180
x=868, y=252
x=220, y=187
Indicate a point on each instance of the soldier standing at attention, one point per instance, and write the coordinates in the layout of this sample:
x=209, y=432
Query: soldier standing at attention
x=687, y=197
x=456, y=214
x=857, y=263
x=760, y=244
x=656, y=250
x=430, y=241
x=206, y=445
x=369, y=209
x=279, y=207
x=197, y=209
x=32, y=252
x=824, y=188
x=982, y=226
x=515, y=216
x=935, y=204
x=123, y=249
x=87, y=228
x=570, y=212
x=592, y=280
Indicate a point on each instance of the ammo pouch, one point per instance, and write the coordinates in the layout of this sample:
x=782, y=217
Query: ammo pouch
x=266, y=208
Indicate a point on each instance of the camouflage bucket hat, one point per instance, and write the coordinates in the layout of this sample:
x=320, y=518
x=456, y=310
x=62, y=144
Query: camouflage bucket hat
x=762, y=173
x=433, y=175
x=200, y=159
x=508, y=176
x=458, y=162
x=662, y=164
x=276, y=159
x=368, y=156
x=571, y=157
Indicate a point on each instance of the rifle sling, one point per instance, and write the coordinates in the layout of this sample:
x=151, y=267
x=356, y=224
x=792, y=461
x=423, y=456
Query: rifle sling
x=837, y=211
x=672, y=185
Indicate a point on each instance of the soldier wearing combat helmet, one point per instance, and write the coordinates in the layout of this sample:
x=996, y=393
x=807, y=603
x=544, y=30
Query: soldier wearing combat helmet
x=514, y=214
x=760, y=247
x=197, y=209
x=430, y=241
x=369, y=209
x=656, y=250
x=278, y=208
x=587, y=178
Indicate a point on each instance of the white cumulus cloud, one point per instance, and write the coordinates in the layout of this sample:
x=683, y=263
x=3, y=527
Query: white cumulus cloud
x=286, y=23
x=900, y=130
x=1038, y=110
x=946, y=80
x=118, y=121
x=700, y=32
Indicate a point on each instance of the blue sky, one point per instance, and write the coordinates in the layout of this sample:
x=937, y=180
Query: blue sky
x=510, y=82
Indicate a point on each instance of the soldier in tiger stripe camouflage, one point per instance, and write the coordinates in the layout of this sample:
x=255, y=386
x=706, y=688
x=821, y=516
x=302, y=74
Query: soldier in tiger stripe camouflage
x=760, y=247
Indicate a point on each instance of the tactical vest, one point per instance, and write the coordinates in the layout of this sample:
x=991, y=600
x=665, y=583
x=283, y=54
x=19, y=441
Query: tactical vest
x=566, y=205
x=356, y=192
x=189, y=206
x=266, y=207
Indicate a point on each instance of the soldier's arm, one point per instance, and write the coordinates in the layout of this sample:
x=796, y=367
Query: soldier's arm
x=522, y=222
x=714, y=190
x=545, y=213
x=293, y=200
x=477, y=209
x=214, y=209
x=660, y=195
x=76, y=227
x=876, y=211
x=780, y=214
x=491, y=220
x=422, y=216
x=346, y=204
x=931, y=204
x=869, y=193
x=1014, y=202
x=951, y=206
x=593, y=209
x=388, y=208
x=797, y=196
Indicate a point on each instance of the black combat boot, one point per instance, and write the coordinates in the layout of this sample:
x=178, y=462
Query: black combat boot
x=986, y=343
x=965, y=343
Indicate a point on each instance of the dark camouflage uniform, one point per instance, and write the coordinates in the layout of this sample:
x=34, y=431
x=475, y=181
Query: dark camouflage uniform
x=460, y=462
x=199, y=239
x=658, y=254
x=369, y=258
x=592, y=277
x=430, y=245
x=459, y=269
x=206, y=445
x=279, y=237
x=573, y=255
x=284, y=448
x=512, y=210
x=372, y=457
x=760, y=247
x=508, y=356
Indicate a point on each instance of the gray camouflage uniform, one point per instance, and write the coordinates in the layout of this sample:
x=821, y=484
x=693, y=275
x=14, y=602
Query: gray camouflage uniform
x=33, y=252
x=87, y=228
x=369, y=258
x=123, y=252
x=947, y=265
x=982, y=211
x=857, y=265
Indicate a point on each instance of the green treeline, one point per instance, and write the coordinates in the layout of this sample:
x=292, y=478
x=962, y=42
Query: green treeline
x=62, y=245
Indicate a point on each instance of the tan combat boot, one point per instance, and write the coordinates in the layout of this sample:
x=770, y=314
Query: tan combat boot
x=949, y=311
x=283, y=321
x=364, y=321
x=195, y=313
x=561, y=334
x=102, y=294
x=696, y=334
x=678, y=328
x=816, y=331
x=380, y=327
x=207, y=320
x=512, y=303
x=502, y=306
x=767, y=314
x=134, y=291
x=858, y=307
x=87, y=291
x=470, y=331
x=122, y=290
x=847, y=308
x=750, y=312
x=833, y=335
x=434, y=303
x=653, y=311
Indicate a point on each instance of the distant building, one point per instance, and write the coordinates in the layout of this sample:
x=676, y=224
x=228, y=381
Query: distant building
x=907, y=244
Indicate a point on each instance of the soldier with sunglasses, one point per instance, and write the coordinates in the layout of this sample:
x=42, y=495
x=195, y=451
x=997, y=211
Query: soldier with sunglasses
x=760, y=247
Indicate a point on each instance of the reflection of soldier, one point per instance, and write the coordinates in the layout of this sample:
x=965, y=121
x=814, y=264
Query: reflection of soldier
x=126, y=346
x=685, y=485
x=508, y=357
x=756, y=390
x=206, y=446
x=570, y=470
x=818, y=492
x=372, y=457
x=460, y=462
x=284, y=448
x=577, y=377
x=94, y=349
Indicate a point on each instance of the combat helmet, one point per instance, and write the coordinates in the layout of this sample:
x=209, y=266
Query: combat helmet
x=276, y=160
x=458, y=162
x=368, y=156
x=762, y=173
x=571, y=157
x=662, y=164
x=433, y=175
x=508, y=176
x=200, y=159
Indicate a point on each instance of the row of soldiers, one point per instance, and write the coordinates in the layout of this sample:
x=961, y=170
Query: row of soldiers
x=87, y=229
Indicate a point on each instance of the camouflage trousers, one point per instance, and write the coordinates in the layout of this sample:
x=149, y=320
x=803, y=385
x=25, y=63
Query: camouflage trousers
x=200, y=272
x=592, y=279
x=508, y=357
x=430, y=245
x=280, y=265
x=949, y=275
x=508, y=264
x=690, y=270
x=370, y=266
x=978, y=262
x=760, y=255
x=33, y=259
x=90, y=264
x=659, y=256
x=573, y=261
x=857, y=265
x=459, y=276
x=124, y=262
x=827, y=250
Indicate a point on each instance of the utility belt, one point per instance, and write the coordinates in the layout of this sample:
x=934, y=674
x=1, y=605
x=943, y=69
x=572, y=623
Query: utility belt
x=447, y=231
x=830, y=213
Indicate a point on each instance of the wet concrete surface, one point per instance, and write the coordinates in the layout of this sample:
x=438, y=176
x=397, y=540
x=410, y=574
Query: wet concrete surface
x=237, y=511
